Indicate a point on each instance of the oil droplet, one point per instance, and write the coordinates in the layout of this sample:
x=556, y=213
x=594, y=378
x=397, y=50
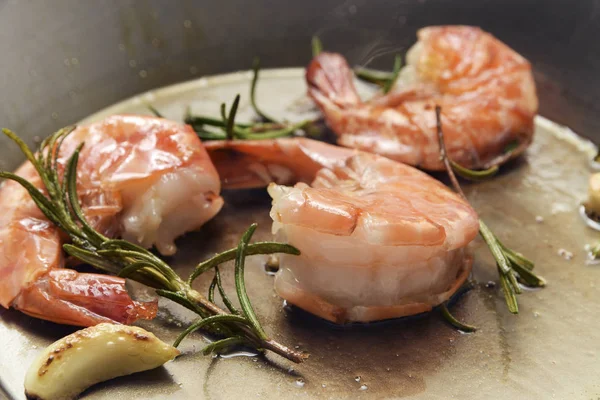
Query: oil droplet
x=536, y=314
x=490, y=284
x=539, y=219
x=193, y=70
x=271, y=266
x=143, y=73
x=67, y=62
x=74, y=61
x=363, y=387
x=187, y=24
x=357, y=379
x=132, y=63
x=240, y=353
x=300, y=382
x=286, y=306
x=567, y=255
x=121, y=47
x=323, y=385
x=54, y=115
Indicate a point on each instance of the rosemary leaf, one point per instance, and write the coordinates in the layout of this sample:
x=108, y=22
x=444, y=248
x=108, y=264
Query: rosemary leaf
x=28, y=153
x=215, y=319
x=219, y=345
x=528, y=277
x=240, y=285
x=154, y=111
x=473, y=175
x=316, y=45
x=91, y=258
x=252, y=249
x=455, y=322
x=255, y=72
x=127, y=271
x=517, y=258
x=379, y=78
x=38, y=197
x=182, y=300
x=383, y=79
x=395, y=72
x=211, y=288
x=71, y=187
x=203, y=120
x=229, y=128
x=224, y=296
x=287, y=131
x=509, y=294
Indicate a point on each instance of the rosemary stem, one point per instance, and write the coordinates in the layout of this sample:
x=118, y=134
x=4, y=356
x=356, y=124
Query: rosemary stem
x=252, y=249
x=267, y=343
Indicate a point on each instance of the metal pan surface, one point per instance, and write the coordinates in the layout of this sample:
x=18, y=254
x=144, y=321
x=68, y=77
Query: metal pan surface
x=549, y=350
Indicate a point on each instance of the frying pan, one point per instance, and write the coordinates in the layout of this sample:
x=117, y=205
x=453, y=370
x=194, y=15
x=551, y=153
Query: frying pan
x=65, y=59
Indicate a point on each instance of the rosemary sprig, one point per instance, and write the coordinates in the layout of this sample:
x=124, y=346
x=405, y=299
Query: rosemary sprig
x=383, y=79
x=513, y=267
x=255, y=71
x=230, y=129
x=446, y=312
x=472, y=175
x=154, y=111
x=60, y=205
x=395, y=72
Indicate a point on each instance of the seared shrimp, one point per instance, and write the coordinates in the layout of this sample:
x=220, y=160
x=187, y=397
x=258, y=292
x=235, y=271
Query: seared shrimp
x=486, y=91
x=378, y=239
x=148, y=180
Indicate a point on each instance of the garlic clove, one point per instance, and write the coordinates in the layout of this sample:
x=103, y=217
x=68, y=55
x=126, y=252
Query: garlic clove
x=95, y=354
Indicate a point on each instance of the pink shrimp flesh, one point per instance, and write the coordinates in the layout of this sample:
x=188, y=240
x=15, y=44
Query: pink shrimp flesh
x=378, y=239
x=485, y=89
x=148, y=180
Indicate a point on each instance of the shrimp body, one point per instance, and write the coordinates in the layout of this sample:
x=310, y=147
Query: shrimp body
x=145, y=179
x=378, y=239
x=485, y=89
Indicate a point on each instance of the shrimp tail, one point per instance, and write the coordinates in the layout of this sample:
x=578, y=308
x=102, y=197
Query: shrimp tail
x=68, y=297
x=256, y=163
x=330, y=79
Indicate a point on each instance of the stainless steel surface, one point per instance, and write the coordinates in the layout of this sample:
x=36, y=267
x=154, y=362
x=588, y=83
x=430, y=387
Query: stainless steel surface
x=549, y=350
x=65, y=59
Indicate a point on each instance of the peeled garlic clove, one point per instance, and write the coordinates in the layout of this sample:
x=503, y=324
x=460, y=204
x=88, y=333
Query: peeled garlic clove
x=72, y=364
x=593, y=203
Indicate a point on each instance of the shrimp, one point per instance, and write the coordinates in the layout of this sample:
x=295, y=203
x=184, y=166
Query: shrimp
x=485, y=89
x=145, y=179
x=378, y=239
